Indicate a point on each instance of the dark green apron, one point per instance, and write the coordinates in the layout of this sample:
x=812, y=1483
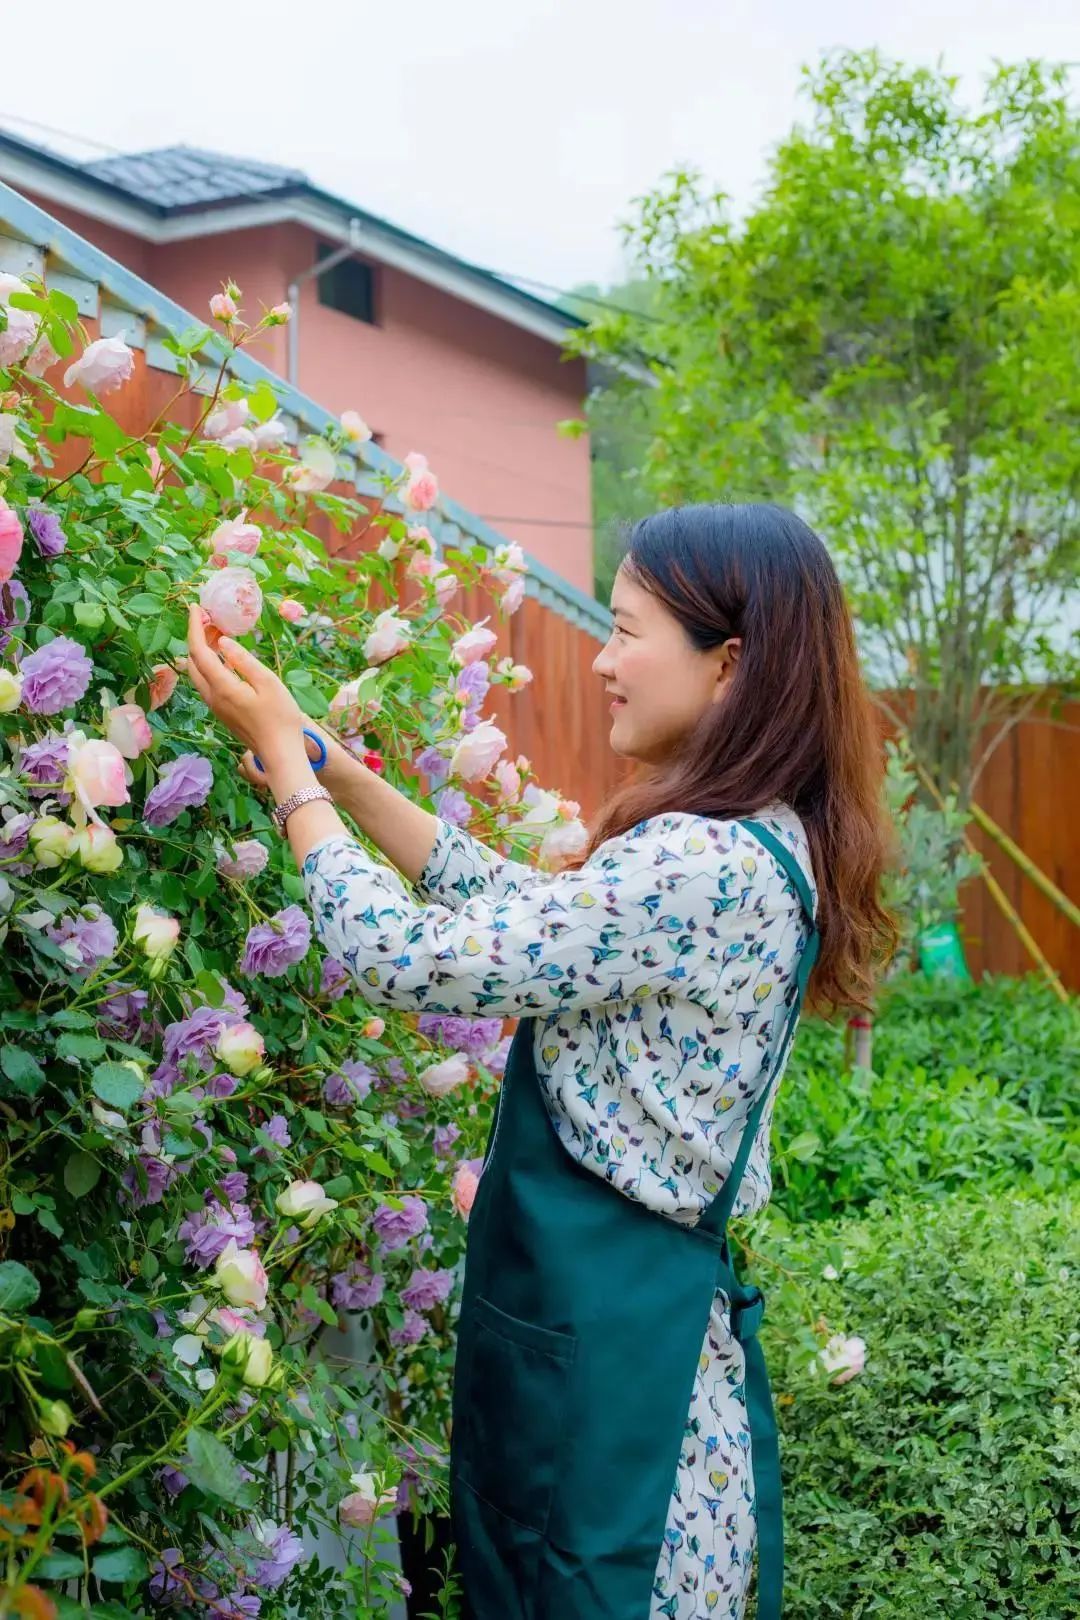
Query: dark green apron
x=582, y=1321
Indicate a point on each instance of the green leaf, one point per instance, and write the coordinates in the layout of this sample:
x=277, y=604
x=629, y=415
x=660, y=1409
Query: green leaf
x=86, y=1048
x=90, y=614
x=19, y=1288
x=803, y=1147
x=82, y=1172
x=120, y=1564
x=60, y=1566
x=210, y=1465
x=143, y=603
x=116, y=1085
x=22, y=1069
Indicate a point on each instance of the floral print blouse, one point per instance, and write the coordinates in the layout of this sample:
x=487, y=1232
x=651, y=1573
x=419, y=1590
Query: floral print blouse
x=658, y=976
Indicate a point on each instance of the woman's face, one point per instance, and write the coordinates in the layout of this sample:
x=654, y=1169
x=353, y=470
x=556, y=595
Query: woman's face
x=660, y=682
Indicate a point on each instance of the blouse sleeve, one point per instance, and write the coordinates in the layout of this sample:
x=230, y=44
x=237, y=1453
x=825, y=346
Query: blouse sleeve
x=652, y=911
x=460, y=867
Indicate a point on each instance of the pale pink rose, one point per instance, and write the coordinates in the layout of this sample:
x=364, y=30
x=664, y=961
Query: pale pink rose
x=446, y=583
x=520, y=675
x=509, y=782
x=236, y=535
x=233, y=600
x=356, y=701
x=420, y=536
x=512, y=597
x=566, y=838
x=155, y=931
x=315, y=468
x=281, y=313
x=241, y=1048
x=463, y=1189
x=440, y=1078
x=241, y=1276
x=128, y=730
x=363, y=1506
x=241, y=438
x=843, y=1358
x=389, y=635
x=474, y=644
x=222, y=307
x=506, y=562
x=291, y=610
x=477, y=751
x=354, y=427
x=163, y=680
x=226, y=418
x=270, y=435
x=11, y=284
x=421, y=492
x=11, y=541
x=304, y=1202
x=105, y=364
x=97, y=773
x=18, y=336
x=372, y=1028
x=41, y=359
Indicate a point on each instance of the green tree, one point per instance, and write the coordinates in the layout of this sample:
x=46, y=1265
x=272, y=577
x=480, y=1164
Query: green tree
x=890, y=342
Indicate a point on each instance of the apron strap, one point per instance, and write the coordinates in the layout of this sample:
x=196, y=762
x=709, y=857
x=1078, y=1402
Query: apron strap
x=716, y=1217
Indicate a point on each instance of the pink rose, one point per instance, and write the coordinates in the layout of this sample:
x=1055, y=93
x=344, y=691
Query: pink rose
x=222, y=307
x=236, y=535
x=105, y=364
x=422, y=489
x=228, y=417
x=128, y=730
x=844, y=1359
x=233, y=600
x=292, y=611
x=270, y=435
x=97, y=772
x=280, y=313
x=241, y=1276
x=11, y=284
x=477, y=751
x=389, y=636
x=474, y=644
x=363, y=1506
x=440, y=1078
x=463, y=1188
x=509, y=781
x=18, y=336
x=11, y=541
x=163, y=680
x=512, y=597
x=420, y=536
x=241, y=1048
x=372, y=1028
x=41, y=359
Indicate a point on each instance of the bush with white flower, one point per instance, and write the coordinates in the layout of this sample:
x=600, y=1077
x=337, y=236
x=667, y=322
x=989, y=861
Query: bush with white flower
x=213, y=1153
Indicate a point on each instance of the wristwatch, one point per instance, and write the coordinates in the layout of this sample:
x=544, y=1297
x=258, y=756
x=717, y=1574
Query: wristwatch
x=281, y=812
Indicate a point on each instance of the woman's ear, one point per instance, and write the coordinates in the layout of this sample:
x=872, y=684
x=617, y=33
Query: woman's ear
x=727, y=658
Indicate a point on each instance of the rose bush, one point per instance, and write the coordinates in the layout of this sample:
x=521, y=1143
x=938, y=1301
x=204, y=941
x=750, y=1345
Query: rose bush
x=213, y=1154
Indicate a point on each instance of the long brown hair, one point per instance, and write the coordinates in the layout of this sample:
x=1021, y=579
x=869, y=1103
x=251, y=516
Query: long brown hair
x=796, y=724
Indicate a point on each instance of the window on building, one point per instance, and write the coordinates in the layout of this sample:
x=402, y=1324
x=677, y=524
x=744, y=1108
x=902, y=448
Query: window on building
x=348, y=286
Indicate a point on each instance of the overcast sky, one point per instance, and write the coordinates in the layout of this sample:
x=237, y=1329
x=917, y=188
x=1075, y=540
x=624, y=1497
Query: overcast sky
x=512, y=132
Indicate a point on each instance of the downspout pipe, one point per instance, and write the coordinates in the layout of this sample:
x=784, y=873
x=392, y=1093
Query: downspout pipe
x=293, y=294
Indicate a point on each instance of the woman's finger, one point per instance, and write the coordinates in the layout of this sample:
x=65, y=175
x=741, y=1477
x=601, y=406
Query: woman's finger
x=243, y=662
x=250, y=771
x=217, y=675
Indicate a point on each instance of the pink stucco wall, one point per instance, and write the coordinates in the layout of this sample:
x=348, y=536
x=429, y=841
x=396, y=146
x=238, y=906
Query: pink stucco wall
x=478, y=396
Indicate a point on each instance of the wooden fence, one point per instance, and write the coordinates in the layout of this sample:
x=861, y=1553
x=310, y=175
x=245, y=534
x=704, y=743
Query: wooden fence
x=1031, y=786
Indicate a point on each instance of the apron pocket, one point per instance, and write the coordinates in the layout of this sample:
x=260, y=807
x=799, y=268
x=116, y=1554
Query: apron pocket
x=515, y=1413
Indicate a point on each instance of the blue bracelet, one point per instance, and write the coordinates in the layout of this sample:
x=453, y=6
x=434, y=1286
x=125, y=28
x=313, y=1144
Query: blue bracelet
x=316, y=764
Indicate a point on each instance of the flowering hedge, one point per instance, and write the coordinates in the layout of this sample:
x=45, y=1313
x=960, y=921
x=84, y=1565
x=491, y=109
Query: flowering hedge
x=214, y=1154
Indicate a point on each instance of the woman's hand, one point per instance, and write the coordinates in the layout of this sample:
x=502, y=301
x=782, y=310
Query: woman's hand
x=247, y=697
x=333, y=776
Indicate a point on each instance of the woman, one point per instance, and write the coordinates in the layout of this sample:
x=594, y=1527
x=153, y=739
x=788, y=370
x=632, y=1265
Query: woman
x=614, y=1453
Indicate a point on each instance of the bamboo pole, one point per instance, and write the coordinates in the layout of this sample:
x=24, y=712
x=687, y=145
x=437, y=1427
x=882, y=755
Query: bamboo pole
x=1001, y=899
x=1026, y=865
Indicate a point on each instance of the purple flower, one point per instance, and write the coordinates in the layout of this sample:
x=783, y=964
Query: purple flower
x=208, y=1232
x=233, y=1185
x=238, y=1606
x=425, y=1289
x=247, y=860
x=435, y=766
x=123, y=1016
x=14, y=609
x=473, y=1036
x=166, y=1574
x=185, y=784
x=452, y=806
x=45, y=528
x=193, y=1037
x=444, y=1138
x=272, y=948
x=14, y=836
x=496, y=1059
x=473, y=683
x=396, y=1226
x=46, y=763
x=350, y=1086
x=411, y=1331
x=277, y=1129
x=172, y=1479
x=334, y=978
x=151, y=1186
x=283, y=1551
x=357, y=1288
x=56, y=676
x=90, y=936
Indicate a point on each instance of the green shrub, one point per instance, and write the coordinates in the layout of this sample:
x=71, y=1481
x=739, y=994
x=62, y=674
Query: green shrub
x=943, y=1480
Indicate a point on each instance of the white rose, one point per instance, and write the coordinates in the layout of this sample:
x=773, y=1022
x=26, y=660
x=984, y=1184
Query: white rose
x=98, y=848
x=103, y=365
x=843, y=1359
x=439, y=1078
x=155, y=931
x=304, y=1202
x=10, y=691
x=389, y=635
x=252, y=1356
x=50, y=841
x=241, y=1048
x=241, y=1277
